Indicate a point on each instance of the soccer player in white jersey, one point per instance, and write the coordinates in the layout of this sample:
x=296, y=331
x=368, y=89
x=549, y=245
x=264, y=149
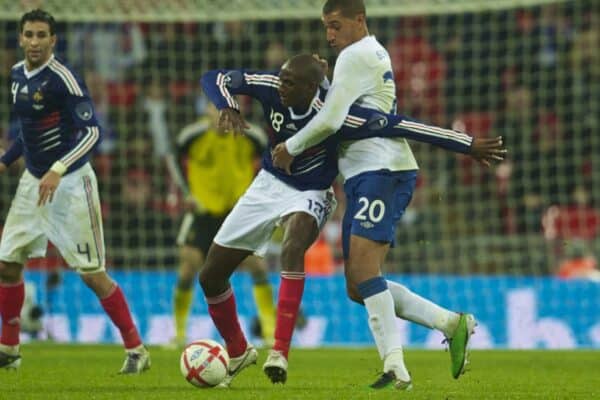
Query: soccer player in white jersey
x=57, y=197
x=380, y=176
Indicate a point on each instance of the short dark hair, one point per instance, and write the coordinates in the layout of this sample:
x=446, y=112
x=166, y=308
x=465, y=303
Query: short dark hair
x=307, y=67
x=38, y=15
x=348, y=8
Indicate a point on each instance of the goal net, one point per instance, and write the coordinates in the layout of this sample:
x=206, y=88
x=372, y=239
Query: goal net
x=473, y=237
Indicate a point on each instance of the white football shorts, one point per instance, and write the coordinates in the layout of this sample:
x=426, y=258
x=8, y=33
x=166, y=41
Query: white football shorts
x=72, y=222
x=263, y=207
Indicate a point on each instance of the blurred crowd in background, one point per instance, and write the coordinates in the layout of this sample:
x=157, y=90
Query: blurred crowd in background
x=529, y=75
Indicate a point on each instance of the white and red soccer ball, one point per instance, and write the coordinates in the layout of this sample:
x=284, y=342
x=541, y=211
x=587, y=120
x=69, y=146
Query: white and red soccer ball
x=204, y=363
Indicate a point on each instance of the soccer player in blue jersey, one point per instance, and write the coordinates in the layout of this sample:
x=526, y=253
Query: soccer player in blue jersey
x=57, y=197
x=301, y=200
x=380, y=176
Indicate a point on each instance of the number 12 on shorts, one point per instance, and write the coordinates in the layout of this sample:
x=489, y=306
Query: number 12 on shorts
x=320, y=210
x=373, y=211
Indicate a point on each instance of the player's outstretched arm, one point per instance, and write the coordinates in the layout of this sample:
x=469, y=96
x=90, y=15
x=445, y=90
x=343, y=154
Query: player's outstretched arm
x=364, y=123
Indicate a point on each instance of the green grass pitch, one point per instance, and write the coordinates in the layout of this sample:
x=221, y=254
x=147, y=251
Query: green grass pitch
x=51, y=371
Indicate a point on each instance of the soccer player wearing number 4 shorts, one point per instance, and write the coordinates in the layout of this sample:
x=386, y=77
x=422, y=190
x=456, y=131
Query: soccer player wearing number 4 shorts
x=380, y=176
x=57, y=197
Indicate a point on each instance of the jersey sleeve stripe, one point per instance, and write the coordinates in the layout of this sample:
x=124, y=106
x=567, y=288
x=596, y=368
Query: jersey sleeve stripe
x=225, y=93
x=436, y=132
x=356, y=120
x=263, y=80
x=86, y=144
x=449, y=132
x=262, y=77
x=273, y=85
x=67, y=77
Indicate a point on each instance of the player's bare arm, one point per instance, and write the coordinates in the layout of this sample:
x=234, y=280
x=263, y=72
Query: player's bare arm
x=488, y=150
x=231, y=120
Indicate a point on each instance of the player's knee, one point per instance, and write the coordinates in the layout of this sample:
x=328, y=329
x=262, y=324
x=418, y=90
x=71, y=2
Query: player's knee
x=10, y=272
x=100, y=283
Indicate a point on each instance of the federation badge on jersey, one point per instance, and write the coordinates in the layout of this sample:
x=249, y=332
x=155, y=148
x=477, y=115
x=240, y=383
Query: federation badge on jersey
x=377, y=121
x=84, y=111
x=38, y=96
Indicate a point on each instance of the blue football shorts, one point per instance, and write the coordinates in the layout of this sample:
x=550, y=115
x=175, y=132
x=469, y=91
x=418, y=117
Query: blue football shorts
x=375, y=202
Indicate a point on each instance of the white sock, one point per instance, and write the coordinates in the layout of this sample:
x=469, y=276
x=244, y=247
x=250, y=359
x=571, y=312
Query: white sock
x=412, y=307
x=382, y=321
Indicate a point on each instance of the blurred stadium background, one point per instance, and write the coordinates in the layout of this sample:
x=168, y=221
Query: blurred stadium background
x=505, y=242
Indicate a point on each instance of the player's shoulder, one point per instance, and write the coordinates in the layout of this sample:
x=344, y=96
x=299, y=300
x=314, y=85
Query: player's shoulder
x=18, y=66
x=18, y=70
x=67, y=76
x=368, y=50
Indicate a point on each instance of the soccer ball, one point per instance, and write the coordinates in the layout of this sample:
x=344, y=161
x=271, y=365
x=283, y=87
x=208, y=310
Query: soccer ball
x=204, y=363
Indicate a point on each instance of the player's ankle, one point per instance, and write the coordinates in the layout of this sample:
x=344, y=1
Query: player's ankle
x=447, y=323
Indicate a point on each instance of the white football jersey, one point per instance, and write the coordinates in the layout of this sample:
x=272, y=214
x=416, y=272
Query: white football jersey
x=368, y=63
x=362, y=75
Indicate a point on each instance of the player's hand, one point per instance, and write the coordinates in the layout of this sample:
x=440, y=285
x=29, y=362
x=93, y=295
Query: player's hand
x=323, y=62
x=488, y=150
x=231, y=120
x=282, y=159
x=47, y=187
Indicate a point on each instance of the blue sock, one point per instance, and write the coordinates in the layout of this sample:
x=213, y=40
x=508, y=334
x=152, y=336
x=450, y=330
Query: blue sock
x=372, y=287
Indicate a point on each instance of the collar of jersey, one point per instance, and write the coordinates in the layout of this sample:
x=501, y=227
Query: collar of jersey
x=31, y=74
x=310, y=108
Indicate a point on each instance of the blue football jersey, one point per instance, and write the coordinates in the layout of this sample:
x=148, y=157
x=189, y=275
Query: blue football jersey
x=316, y=167
x=56, y=118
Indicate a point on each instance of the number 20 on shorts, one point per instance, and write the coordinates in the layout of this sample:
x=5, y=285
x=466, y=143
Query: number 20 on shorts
x=372, y=211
